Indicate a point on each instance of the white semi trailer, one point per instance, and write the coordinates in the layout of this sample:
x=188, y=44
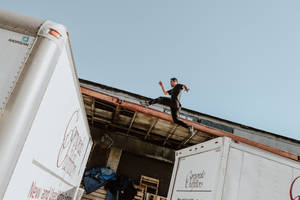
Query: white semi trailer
x=222, y=169
x=44, y=135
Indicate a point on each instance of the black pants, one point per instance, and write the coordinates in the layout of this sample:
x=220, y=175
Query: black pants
x=175, y=109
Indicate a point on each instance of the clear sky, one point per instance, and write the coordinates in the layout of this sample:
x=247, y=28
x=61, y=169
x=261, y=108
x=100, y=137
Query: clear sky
x=240, y=58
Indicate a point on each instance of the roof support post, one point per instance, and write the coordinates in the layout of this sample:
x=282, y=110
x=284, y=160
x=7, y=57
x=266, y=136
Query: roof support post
x=151, y=128
x=170, y=133
x=188, y=139
x=131, y=123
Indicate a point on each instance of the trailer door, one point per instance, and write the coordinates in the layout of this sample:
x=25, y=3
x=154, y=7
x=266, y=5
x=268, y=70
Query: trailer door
x=196, y=173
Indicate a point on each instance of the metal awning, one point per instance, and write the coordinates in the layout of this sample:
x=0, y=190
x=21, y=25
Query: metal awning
x=144, y=126
x=154, y=125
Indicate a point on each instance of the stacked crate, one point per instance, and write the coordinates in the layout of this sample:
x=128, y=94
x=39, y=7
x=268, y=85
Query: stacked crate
x=151, y=186
x=99, y=194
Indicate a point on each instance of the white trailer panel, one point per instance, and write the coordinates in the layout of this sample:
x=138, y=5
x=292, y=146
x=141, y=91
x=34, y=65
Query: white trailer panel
x=222, y=169
x=44, y=134
x=54, y=152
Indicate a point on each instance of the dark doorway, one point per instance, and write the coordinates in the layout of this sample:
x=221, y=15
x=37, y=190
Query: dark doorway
x=134, y=166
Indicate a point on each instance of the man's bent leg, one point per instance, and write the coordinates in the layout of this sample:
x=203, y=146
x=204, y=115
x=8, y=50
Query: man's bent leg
x=175, y=116
x=161, y=100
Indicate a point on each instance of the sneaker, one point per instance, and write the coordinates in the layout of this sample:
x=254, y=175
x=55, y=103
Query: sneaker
x=144, y=103
x=192, y=130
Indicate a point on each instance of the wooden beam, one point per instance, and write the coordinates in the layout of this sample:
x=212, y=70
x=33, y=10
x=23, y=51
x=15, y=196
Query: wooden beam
x=116, y=113
x=170, y=134
x=197, y=126
x=132, y=121
x=108, y=123
x=188, y=139
x=151, y=128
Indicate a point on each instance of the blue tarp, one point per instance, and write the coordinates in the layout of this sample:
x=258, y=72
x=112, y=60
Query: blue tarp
x=96, y=178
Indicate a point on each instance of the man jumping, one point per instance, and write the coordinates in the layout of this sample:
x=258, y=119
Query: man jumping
x=173, y=102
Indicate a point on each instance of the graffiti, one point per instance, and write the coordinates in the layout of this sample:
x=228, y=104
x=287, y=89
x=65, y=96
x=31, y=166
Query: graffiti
x=72, y=146
x=297, y=197
x=194, y=180
x=36, y=192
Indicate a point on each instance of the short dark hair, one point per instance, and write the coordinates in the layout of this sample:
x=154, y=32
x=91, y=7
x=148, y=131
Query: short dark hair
x=174, y=79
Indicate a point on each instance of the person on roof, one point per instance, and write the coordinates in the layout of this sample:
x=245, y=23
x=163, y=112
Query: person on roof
x=173, y=102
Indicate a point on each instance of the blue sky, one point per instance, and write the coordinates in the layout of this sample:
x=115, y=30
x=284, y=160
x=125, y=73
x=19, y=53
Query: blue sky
x=240, y=58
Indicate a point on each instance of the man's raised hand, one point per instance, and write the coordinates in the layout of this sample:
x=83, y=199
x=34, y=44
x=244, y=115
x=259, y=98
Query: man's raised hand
x=186, y=88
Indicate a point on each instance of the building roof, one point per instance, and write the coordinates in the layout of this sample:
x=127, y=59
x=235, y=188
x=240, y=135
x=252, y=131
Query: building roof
x=121, y=110
x=186, y=111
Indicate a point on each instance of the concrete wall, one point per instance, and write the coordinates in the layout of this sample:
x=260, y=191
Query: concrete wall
x=98, y=157
x=114, y=158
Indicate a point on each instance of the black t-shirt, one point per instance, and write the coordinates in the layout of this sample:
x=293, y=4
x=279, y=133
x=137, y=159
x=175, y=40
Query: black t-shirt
x=176, y=93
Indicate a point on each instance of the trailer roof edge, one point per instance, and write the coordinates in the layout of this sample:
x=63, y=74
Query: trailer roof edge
x=20, y=23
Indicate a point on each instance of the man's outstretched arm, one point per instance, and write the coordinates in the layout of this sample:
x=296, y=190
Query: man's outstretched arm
x=185, y=88
x=163, y=87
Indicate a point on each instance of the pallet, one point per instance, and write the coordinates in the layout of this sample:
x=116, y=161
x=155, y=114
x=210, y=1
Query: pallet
x=150, y=196
x=140, y=192
x=151, y=184
x=99, y=194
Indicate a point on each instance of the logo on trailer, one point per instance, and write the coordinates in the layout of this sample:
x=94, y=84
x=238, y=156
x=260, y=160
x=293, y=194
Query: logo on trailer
x=194, y=180
x=25, y=39
x=72, y=146
x=293, y=196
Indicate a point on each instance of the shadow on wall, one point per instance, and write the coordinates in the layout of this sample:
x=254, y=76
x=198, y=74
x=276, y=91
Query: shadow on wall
x=98, y=157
